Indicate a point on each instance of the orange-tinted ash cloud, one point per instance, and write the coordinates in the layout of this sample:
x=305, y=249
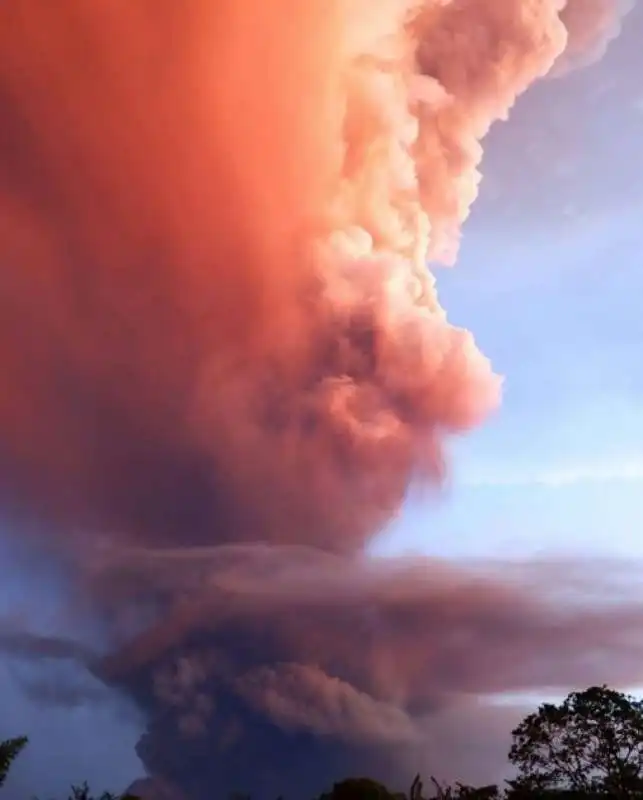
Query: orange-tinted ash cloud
x=217, y=329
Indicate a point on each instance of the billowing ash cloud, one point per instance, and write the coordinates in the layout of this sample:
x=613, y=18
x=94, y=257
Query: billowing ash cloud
x=224, y=363
x=591, y=26
x=552, y=168
x=358, y=664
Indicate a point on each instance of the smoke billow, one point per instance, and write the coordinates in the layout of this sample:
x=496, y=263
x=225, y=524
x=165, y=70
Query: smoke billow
x=591, y=25
x=224, y=363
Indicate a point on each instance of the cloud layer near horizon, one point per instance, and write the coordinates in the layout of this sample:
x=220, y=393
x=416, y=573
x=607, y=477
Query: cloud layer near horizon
x=362, y=663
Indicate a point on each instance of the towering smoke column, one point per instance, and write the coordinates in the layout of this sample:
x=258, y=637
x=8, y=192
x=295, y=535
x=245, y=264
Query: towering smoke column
x=223, y=357
x=229, y=283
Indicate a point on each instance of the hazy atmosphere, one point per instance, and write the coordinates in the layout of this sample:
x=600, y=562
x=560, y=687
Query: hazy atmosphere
x=317, y=453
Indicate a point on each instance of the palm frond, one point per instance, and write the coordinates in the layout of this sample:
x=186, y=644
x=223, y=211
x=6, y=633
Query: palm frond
x=9, y=751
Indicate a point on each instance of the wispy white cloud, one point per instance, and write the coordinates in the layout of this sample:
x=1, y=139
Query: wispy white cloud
x=531, y=700
x=559, y=476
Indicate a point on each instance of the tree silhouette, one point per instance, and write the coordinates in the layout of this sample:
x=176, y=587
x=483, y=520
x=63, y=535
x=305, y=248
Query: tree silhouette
x=9, y=751
x=460, y=791
x=360, y=789
x=591, y=744
x=82, y=792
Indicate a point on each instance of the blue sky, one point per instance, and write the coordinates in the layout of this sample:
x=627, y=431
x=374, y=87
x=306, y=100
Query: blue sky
x=551, y=286
x=560, y=465
x=93, y=742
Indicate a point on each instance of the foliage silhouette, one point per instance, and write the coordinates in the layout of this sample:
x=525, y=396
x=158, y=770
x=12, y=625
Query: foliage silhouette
x=591, y=743
x=360, y=789
x=81, y=792
x=590, y=746
x=9, y=751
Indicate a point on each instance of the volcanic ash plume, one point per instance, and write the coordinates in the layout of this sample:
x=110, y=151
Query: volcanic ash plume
x=591, y=25
x=215, y=233
x=217, y=327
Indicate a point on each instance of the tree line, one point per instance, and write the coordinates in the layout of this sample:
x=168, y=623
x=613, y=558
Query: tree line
x=588, y=746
